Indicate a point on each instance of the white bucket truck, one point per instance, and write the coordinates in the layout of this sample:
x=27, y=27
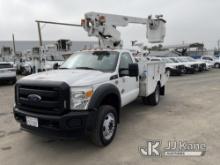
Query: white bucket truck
x=85, y=95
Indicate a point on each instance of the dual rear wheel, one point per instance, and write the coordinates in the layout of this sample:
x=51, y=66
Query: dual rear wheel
x=154, y=98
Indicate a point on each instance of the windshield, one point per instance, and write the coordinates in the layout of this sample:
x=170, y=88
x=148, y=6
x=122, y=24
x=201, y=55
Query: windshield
x=174, y=60
x=54, y=58
x=183, y=60
x=191, y=59
x=155, y=59
x=104, y=61
x=5, y=65
x=167, y=60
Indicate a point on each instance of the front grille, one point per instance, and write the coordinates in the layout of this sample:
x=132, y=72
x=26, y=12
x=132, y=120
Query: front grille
x=202, y=65
x=180, y=67
x=54, y=97
x=195, y=66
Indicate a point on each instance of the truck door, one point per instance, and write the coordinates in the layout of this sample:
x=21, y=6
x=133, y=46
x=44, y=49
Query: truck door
x=128, y=86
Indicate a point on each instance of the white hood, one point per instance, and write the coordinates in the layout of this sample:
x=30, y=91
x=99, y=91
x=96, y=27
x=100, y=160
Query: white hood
x=71, y=77
x=172, y=65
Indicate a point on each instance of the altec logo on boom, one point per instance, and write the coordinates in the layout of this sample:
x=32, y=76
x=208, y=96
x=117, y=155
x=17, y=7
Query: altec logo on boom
x=173, y=148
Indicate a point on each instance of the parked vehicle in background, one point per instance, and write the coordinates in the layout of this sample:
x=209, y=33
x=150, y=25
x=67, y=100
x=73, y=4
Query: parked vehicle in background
x=206, y=59
x=8, y=56
x=214, y=60
x=175, y=69
x=47, y=57
x=7, y=72
x=189, y=67
x=201, y=64
x=52, y=62
x=25, y=66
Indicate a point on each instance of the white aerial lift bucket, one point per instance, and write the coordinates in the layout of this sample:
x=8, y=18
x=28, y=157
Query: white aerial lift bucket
x=156, y=30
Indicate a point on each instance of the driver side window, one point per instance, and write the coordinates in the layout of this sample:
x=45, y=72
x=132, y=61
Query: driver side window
x=124, y=63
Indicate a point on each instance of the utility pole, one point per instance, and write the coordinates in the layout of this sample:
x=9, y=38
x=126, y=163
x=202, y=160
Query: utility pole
x=218, y=43
x=13, y=39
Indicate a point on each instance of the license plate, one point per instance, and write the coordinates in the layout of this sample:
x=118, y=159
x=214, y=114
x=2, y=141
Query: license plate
x=32, y=121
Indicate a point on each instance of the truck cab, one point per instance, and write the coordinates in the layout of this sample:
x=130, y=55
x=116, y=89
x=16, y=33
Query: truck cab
x=85, y=95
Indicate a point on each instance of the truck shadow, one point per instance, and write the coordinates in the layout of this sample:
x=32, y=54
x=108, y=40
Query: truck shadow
x=5, y=84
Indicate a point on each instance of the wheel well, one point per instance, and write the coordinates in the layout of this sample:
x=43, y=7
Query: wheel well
x=162, y=89
x=112, y=99
x=158, y=83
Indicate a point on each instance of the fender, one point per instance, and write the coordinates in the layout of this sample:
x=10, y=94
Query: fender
x=101, y=92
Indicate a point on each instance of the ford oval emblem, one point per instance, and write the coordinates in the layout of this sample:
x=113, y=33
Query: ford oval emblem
x=34, y=97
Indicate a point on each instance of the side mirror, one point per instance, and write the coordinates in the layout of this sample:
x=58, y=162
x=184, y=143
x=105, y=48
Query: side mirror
x=56, y=66
x=133, y=70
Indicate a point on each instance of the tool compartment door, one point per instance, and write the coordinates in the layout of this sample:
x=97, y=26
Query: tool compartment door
x=152, y=72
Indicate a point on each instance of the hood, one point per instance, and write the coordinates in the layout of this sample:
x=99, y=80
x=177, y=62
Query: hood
x=71, y=77
x=199, y=62
x=172, y=65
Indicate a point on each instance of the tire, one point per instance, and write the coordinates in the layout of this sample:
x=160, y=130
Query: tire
x=105, y=126
x=178, y=74
x=217, y=65
x=154, y=98
x=204, y=68
x=145, y=100
x=168, y=72
x=12, y=82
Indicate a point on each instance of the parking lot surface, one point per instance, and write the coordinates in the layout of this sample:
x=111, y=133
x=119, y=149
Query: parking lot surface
x=190, y=111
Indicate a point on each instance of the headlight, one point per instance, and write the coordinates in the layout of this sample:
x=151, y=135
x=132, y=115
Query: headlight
x=80, y=98
x=187, y=65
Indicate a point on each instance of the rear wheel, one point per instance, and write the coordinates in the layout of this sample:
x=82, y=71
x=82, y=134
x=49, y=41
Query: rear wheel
x=217, y=65
x=105, y=127
x=154, y=98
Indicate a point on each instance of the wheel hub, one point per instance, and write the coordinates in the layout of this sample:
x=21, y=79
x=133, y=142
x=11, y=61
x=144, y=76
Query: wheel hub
x=108, y=126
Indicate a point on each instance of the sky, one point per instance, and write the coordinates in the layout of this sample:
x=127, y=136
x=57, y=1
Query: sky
x=187, y=20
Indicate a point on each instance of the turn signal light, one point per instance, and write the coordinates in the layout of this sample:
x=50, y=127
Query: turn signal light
x=102, y=19
x=83, y=22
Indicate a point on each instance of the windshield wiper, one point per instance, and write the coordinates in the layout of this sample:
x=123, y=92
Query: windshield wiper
x=87, y=68
x=64, y=68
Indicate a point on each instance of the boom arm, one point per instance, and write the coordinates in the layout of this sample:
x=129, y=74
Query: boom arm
x=103, y=26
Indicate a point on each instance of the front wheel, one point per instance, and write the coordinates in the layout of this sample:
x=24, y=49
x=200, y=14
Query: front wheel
x=168, y=72
x=13, y=81
x=105, y=127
